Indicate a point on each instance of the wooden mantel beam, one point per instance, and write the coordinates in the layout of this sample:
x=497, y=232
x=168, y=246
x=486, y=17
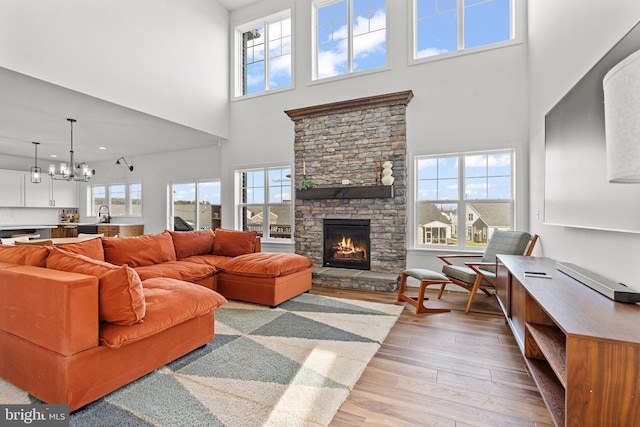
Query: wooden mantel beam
x=397, y=98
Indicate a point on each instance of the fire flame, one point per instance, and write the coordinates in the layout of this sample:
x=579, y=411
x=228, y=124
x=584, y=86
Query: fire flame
x=346, y=247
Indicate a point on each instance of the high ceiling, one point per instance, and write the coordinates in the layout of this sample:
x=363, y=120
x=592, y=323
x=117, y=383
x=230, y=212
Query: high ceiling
x=35, y=110
x=236, y=4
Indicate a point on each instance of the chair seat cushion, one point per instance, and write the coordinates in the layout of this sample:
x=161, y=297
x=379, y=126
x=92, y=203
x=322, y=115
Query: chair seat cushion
x=424, y=274
x=465, y=274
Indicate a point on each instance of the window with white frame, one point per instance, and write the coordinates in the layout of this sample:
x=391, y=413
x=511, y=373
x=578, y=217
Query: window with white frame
x=350, y=36
x=122, y=199
x=461, y=199
x=265, y=201
x=264, y=59
x=444, y=26
x=194, y=205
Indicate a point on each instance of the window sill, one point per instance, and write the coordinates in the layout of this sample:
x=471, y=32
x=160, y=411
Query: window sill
x=464, y=52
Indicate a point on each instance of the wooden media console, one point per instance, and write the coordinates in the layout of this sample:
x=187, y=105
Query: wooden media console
x=581, y=348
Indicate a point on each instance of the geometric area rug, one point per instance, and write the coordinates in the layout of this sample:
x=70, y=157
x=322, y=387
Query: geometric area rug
x=293, y=365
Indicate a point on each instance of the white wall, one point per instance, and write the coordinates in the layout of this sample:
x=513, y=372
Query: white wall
x=565, y=40
x=158, y=57
x=156, y=172
x=476, y=101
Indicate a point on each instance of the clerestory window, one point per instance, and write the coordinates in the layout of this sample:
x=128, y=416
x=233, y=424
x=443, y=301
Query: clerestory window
x=264, y=59
x=446, y=26
x=350, y=36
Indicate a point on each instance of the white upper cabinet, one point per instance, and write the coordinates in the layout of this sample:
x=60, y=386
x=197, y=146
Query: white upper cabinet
x=37, y=195
x=11, y=188
x=50, y=193
x=64, y=194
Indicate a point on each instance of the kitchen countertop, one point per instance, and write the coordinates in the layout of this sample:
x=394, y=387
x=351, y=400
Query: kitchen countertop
x=70, y=224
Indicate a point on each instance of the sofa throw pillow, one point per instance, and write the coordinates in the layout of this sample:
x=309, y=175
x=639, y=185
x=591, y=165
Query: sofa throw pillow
x=25, y=255
x=91, y=248
x=138, y=251
x=234, y=243
x=120, y=295
x=190, y=243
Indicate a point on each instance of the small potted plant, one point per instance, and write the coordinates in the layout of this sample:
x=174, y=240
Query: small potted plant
x=305, y=184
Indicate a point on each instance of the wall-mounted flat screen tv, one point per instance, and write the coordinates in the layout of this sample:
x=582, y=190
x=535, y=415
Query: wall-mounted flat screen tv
x=576, y=190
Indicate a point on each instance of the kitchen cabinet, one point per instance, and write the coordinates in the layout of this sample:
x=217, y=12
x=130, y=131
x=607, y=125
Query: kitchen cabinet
x=120, y=230
x=11, y=188
x=51, y=193
x=64, y=231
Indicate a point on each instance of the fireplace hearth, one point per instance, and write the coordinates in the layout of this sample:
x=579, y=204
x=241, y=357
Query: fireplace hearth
x=347, y=244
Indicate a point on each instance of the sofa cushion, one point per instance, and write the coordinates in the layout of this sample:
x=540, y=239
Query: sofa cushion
x=169, y=302
x=181, y=270
x=91, y=248
x=25, y=255
x=265, y=264
x=4, y=265
x=121, y=298
x=189, y=243
x=137, y=251
x=209, y=259
x=234, y=243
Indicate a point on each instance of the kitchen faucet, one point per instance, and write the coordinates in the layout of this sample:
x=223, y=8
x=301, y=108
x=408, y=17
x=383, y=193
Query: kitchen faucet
x=102, y=218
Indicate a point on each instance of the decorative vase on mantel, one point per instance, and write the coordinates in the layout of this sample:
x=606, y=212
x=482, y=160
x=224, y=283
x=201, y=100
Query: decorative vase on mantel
x=387, y=178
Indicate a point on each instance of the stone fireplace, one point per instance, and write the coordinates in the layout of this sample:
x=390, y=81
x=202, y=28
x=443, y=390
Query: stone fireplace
x=346, y=243
x=341, y=147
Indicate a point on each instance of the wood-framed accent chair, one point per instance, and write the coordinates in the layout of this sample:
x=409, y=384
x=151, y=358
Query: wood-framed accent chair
x=481, y=274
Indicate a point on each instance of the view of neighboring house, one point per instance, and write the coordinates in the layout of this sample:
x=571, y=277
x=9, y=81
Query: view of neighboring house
x=439, y=227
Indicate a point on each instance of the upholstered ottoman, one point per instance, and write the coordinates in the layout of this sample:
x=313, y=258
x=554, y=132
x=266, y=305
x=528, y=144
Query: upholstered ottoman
x=264, y=278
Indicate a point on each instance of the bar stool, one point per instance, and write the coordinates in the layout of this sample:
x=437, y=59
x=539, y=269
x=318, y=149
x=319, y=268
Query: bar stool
x=426, y=278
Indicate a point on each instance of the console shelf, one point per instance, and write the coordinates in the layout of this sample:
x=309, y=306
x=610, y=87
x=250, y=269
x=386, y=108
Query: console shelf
x=551, y=342
x=581, y=348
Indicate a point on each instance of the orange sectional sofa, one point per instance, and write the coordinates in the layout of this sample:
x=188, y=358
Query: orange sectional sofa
x=74, y=317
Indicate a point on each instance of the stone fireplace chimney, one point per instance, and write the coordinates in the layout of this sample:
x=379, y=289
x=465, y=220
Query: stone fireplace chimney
x=341, y=147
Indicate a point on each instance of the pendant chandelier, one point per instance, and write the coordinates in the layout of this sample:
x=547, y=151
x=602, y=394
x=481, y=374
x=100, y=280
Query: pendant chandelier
x=68, y=173
x=36, y=173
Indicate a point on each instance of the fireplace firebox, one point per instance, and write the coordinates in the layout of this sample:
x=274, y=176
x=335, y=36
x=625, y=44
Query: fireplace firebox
x=346, y=243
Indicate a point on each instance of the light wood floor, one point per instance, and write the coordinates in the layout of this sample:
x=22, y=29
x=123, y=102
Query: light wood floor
x=446, y=369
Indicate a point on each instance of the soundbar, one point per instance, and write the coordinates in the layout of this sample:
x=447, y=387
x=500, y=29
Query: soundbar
x=615, y=291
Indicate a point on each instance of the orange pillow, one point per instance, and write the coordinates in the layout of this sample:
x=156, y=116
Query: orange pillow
x=120, y=295
x=190, y=243
x=25, y=255
x=138, y=251
x=234, y=243
x=91, y=248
